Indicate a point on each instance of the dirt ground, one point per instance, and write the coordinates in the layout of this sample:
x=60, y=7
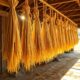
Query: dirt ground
x=54, y=70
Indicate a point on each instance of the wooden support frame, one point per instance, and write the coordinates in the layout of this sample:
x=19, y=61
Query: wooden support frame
x=0, y=45
x=60, y=3
x=4, y=3
x=0, y=57
x=65, y=6
x=63, y=2
x=48, y=5
x=57, y=3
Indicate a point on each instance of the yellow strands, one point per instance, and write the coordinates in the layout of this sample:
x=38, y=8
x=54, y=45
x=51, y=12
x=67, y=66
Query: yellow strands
x=56, y=35
x=37, y=41
x=53, y=37
x=41, y=41
x=26, y=38
x=12, y=46
x=13, y=40
x=59, y=35
x=47, y=40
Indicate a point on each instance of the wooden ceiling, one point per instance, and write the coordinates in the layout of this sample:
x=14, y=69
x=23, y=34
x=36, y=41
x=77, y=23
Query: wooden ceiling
x=70, y=8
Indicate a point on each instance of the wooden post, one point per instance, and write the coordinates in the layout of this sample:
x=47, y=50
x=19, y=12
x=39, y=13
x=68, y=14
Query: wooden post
x=0, y=44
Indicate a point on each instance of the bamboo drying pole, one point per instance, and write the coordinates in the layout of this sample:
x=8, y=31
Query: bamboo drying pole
x=48, y=5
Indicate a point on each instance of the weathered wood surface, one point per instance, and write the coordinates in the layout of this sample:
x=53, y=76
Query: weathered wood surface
x=0, y=46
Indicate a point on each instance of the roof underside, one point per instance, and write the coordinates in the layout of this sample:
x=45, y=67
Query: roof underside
x=70, y=8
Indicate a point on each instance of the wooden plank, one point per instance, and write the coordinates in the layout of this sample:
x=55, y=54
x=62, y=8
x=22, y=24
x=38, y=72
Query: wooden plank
x=48, y=5
x=4, y=3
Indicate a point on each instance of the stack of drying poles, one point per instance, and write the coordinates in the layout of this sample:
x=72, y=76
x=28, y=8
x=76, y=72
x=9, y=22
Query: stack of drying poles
x=38, y=40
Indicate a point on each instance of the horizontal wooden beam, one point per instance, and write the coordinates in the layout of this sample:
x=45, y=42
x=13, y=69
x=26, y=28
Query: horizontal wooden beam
x=4, y=3
x=3, y=13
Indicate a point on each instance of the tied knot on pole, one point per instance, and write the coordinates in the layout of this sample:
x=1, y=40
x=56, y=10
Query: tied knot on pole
x=13, y=3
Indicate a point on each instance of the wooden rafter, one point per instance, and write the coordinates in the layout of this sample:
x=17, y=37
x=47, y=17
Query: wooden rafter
x=71, y=10
x=63, y=2
x=60, y=6
x=4, y=3
x=73, y=15
x=65, y=6
x=59, y=3
x=77, y=20
x=56, y=3
x=48, y=5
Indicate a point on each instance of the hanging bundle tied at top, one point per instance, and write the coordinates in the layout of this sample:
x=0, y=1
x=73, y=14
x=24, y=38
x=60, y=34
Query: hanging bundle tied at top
x=12, y=46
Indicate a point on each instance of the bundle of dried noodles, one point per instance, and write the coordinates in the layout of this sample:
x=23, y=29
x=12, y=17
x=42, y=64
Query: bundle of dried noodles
x=26, y=37
x=11, y=39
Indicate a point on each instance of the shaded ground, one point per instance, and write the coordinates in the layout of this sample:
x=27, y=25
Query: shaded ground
x=54, y=70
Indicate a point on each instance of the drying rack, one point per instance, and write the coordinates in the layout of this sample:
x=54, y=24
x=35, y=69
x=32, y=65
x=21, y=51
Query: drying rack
x=51, y=7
